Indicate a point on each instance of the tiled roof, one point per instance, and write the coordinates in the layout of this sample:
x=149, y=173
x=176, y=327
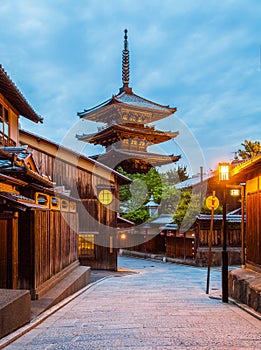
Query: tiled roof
x=130, y=99
x=218, y=217
x=193, y=181
x=135, y=100
x=10, y=91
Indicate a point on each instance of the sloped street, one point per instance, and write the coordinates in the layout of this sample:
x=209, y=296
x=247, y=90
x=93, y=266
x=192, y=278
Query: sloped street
x=155, y=306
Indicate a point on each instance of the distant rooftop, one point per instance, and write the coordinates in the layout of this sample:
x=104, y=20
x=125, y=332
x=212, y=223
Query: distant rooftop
x=193, y=181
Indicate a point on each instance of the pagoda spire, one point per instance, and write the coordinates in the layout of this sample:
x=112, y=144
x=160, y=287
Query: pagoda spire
x=125, y=66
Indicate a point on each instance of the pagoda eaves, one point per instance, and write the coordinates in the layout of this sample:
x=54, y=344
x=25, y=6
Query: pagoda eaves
x=114, y=133
x=127, y=106
x=134, y=161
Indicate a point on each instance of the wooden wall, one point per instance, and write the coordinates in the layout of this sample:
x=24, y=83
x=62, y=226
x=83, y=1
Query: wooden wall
x=253, y=229
x=93, y=216
x=179, y=247
x=48, y=243
x=203, y=234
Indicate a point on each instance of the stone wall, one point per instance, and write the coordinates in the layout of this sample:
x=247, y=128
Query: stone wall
x=234, y=256
x=245, y=287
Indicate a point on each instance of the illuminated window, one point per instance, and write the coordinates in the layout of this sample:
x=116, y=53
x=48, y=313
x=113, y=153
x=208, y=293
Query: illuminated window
x=134, y=142
x=142, y=145
x=86, y=245
x=235, y=192
x=224, y=169
x=105, y=197
x=125, y=142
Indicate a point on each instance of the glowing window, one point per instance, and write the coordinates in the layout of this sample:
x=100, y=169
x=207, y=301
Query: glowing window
x=86, y=244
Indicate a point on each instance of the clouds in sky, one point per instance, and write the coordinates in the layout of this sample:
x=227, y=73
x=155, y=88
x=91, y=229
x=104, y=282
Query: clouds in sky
x=201, y=56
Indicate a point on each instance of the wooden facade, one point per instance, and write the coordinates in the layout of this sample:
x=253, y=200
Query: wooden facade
x=38, y=242
x=202, y=240
x=244, y=284
x=84, y=178
x=48, y=244
x=250, y=173
x=253, y=229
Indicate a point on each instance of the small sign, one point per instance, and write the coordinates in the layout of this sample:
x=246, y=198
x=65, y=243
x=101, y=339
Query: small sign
x=212, y=202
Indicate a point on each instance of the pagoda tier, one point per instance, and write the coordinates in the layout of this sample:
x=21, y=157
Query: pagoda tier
x=140, y=135
x=126, y=134
x=134, y=162
x=127, y=107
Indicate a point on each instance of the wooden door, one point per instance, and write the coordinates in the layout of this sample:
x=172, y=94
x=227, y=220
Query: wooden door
x=8, y=251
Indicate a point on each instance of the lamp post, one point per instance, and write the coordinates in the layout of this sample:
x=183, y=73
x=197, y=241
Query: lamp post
x=224, y=172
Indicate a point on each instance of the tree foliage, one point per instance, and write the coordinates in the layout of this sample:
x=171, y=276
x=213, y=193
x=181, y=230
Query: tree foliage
x=188, y=208
x=133, y=197
x=250, y=149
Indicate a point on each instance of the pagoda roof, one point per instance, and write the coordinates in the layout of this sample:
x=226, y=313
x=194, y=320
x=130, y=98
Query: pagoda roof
x=155, y=159
x=10, y=91
x=149, y=133
x=126, y=100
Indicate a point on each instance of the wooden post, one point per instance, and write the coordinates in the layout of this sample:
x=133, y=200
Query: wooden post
x=111, y=244
x=210, y=242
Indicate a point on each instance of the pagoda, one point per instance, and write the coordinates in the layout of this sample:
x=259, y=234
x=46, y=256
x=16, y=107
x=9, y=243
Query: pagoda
x=127, y=133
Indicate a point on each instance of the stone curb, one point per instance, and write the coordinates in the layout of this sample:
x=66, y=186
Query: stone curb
x=42, y=317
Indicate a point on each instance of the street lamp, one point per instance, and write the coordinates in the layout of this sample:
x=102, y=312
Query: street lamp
x=224, y=173
x=152, y=207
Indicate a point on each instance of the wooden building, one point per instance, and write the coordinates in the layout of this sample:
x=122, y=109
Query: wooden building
x=161, y=236
x=126, y=134
x=36, y=242
x=245, y=283
x=202, y=239
x=91, y=184
x=48, y=196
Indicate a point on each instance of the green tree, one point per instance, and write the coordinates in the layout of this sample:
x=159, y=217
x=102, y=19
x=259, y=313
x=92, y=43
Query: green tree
x=139, y=215
x=175, y=176
x=143, y=186
x=250, y=149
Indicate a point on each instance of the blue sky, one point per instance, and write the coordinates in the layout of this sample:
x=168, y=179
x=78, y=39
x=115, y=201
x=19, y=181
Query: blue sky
x=201, y=56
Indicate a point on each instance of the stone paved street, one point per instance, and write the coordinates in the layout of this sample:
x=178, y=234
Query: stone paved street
x=162, y=306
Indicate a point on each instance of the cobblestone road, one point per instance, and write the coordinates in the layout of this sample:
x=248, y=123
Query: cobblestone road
x=163, y=306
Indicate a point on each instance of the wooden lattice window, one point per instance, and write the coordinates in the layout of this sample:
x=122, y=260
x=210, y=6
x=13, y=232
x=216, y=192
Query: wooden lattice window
x=86, y=244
